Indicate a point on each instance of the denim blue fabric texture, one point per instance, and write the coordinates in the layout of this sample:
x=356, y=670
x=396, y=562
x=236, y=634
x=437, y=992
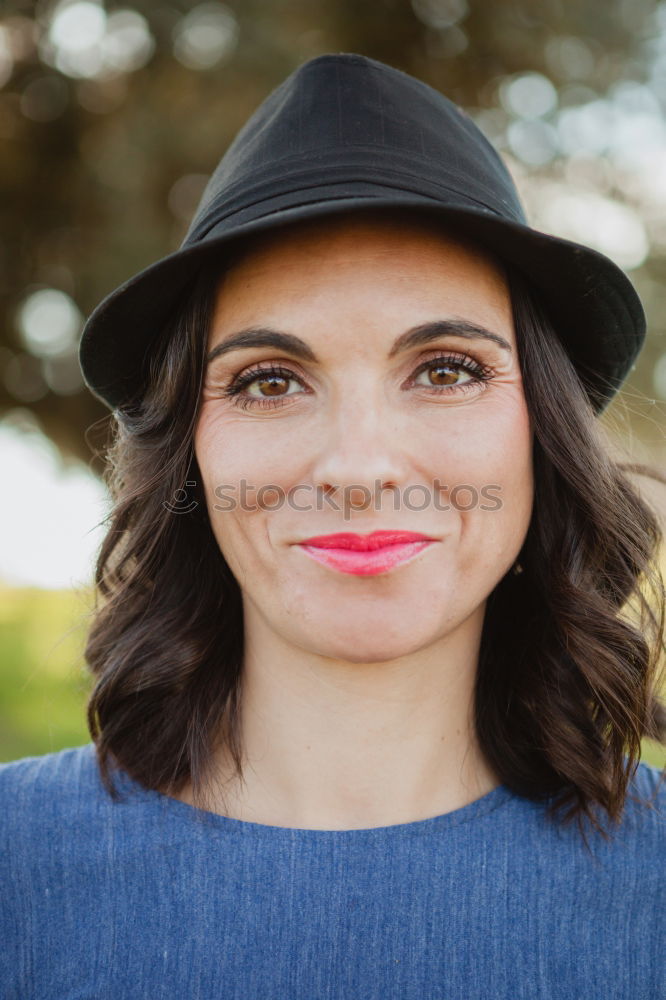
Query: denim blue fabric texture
x=152, y=899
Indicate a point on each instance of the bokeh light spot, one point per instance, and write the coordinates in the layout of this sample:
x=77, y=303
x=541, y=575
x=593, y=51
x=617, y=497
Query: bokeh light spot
x=83, y=41
x=77, y=26
x=440, y=13
x=45, y=98
x=205, y=36
x=530, y=95
x=533, y=142
x=185, y=195
x=128, y=44
x=49, y=322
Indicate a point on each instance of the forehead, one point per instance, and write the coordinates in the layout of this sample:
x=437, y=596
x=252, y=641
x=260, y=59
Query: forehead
x=364, y=276
x=347, y=267
x=380, y=235
x=369, y=272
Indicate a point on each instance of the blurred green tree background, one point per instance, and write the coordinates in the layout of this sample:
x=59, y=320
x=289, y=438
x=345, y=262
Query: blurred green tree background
x=113, y=116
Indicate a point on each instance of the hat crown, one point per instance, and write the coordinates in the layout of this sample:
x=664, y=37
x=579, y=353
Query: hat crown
x=344, y=118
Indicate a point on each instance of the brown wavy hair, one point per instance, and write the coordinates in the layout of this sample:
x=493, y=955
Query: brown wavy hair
x=569, y=674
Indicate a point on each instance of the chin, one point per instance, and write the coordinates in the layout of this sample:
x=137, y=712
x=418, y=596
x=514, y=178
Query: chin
x=361, y=644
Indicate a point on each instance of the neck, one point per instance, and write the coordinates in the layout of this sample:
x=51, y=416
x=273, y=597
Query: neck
x=332, y=744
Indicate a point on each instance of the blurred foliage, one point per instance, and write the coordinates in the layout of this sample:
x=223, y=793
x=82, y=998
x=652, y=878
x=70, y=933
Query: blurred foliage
x=44, y=681
x=112, y=116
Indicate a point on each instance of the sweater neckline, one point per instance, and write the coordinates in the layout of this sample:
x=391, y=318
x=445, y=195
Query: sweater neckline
x=174, y=809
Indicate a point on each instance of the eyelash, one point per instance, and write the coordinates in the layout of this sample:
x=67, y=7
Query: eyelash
x=481, y=374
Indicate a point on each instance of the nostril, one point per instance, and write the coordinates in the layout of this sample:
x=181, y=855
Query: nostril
x=358, y=496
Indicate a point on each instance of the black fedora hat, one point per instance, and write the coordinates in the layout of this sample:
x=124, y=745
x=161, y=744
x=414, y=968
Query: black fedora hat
x=342, y=132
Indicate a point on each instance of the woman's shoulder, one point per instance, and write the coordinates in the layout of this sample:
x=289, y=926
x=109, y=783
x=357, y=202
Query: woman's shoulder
x=645, y=805
x=637, y=839
x=650, y=781
x=46, y=787
x=648, y=785
x=61, y=769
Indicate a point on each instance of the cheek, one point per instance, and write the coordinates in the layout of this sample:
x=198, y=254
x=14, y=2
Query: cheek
x=510, y=438
x=222, y=462
x=484, y=446
x=240, y=460
x=487, y=466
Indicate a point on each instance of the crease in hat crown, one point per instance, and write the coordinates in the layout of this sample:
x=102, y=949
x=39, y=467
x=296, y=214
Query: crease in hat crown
x=344, y=131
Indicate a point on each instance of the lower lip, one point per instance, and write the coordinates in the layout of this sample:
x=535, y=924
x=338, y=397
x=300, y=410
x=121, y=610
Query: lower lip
x=366, y=563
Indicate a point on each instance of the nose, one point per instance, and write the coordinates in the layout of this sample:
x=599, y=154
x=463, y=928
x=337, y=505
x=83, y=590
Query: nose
x=364, y=449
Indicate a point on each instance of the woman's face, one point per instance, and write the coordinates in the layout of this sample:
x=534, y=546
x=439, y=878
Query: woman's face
x=356, y=403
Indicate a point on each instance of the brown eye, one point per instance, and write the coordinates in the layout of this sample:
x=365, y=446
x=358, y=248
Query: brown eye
x=441, y=374
x=272, y=386
x=444, y=375
x=452, y=375
x=262, y=387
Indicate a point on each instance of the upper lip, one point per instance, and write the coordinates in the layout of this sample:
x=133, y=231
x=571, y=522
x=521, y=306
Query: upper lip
x=365, y=543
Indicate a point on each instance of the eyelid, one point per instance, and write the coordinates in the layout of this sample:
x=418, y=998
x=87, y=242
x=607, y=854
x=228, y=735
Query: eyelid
x=236, y=389
x=423, y=356
x=219, y=369
x=453, y=352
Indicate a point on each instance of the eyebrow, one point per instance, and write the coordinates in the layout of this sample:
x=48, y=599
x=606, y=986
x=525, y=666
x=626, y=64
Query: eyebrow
x=265, y=336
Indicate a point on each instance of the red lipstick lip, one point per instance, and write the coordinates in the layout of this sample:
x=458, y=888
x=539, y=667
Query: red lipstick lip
x=365, y=543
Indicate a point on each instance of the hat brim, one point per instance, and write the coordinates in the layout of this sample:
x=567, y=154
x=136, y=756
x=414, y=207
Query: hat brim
x=593, y=304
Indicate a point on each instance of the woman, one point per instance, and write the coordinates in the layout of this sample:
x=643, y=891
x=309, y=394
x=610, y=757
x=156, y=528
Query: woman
x=363, y=650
